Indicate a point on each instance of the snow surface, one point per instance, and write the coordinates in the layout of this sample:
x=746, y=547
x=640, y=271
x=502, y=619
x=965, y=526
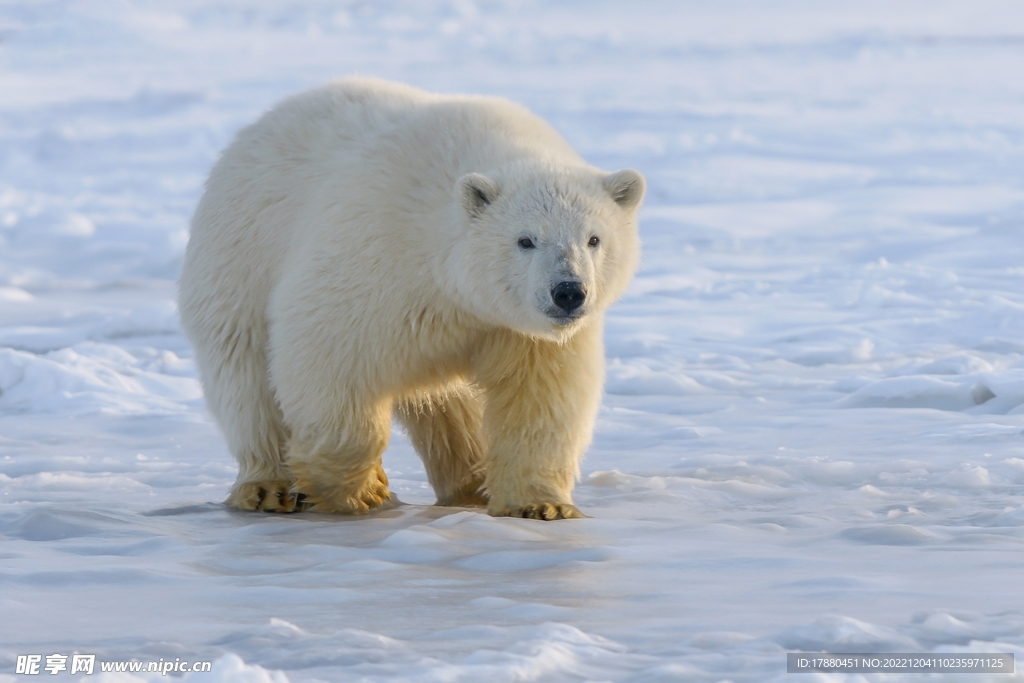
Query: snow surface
x=813, y=433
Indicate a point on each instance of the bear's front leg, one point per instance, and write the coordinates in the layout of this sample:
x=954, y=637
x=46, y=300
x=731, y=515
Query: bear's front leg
x=337, y=463
x=542, y=398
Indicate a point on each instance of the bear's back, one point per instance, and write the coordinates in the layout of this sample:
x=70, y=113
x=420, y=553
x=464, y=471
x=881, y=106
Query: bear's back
x=350, y=169
x=365, y=140
x=361, y=118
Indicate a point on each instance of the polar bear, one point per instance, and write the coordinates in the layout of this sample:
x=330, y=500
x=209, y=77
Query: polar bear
x=368, y=249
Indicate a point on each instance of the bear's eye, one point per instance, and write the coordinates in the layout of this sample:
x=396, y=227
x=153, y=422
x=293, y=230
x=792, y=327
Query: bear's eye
x=526, y=243
x=594, y=241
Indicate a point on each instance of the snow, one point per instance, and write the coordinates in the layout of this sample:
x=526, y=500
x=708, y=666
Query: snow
x=813, y=431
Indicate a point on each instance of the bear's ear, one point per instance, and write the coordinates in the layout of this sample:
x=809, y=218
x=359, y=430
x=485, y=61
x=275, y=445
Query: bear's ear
x=626, y=187
x=476, y=192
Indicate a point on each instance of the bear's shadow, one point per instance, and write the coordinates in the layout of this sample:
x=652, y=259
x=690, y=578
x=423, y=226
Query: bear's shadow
x=392, y=509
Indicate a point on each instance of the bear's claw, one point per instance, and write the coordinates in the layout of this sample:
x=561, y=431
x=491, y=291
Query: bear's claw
x=267, y=496
x=545, y=511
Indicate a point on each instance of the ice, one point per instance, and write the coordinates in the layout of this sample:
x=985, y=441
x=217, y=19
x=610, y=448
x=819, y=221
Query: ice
x=812, y=432
x=919, y=392
x=844, y=634
x=960, y=364
x=891, y=534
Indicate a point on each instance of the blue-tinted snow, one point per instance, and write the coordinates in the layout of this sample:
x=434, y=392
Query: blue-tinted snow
x=813, y=431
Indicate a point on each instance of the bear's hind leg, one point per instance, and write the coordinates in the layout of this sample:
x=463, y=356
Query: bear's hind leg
x=447, y=430
x=234, y=371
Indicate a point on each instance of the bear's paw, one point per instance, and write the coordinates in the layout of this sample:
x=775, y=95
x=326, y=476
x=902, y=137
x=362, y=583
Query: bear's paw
x=545, y=511
x=349, y=498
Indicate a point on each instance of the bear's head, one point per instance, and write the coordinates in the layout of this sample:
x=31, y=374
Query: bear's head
x=546, y=248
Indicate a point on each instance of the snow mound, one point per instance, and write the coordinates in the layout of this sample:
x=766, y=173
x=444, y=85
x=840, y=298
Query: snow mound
x=91, y=377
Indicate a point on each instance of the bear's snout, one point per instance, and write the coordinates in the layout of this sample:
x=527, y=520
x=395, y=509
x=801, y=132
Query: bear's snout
x=568, y=296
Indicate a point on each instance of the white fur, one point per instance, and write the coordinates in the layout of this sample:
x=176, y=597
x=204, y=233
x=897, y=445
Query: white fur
x=357, y=253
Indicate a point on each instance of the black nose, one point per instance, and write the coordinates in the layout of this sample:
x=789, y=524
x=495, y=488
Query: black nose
x=568, y=296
